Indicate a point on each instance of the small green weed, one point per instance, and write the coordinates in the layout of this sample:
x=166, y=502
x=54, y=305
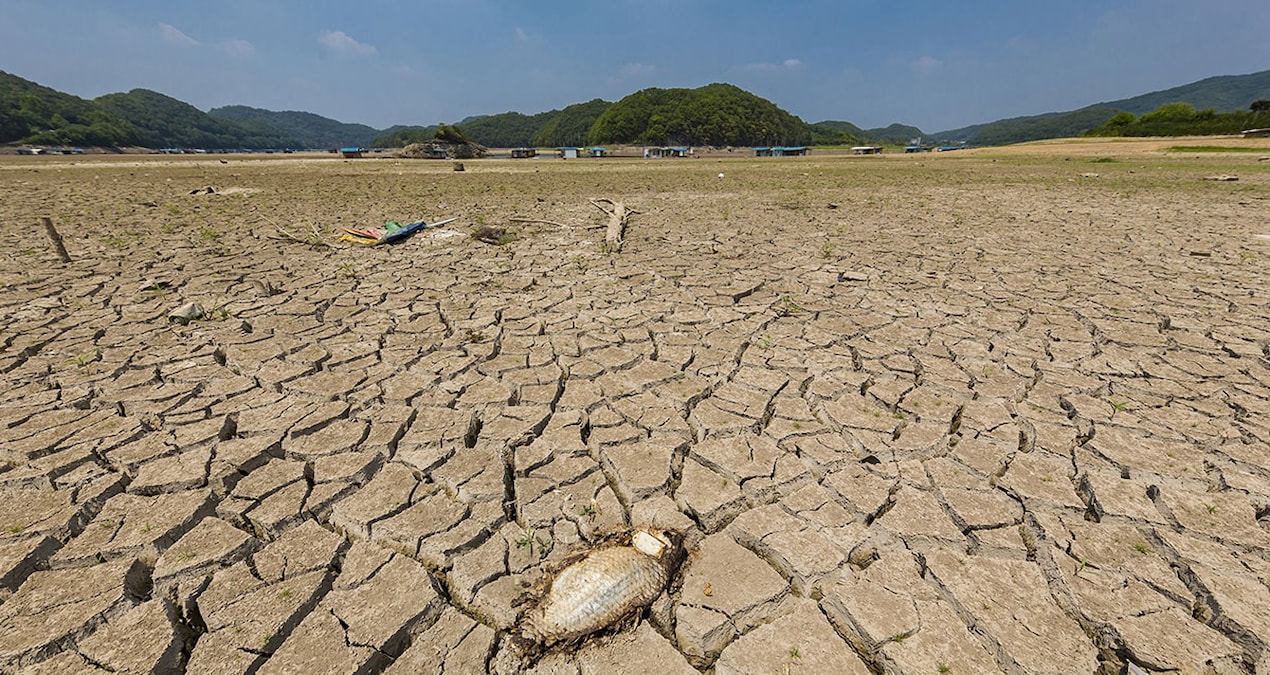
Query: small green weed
x=529, y=538
x=84, y=359
x=786, y=306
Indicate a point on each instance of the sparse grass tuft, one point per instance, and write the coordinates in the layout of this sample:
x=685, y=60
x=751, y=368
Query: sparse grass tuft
x=786, y=306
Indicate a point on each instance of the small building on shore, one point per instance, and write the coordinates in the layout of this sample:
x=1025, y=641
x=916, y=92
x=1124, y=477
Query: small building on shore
x=598, y=152
x=782, y=151
x=524, y=153
x=351, y=153
x=665, y=151
x=866, y=150
x=567, y=152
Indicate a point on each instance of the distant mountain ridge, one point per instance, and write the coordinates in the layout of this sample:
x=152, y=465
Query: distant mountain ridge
x=1223, y=93
x=34, y=114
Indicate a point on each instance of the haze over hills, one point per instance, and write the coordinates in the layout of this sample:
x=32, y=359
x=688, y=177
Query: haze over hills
x=717, y=114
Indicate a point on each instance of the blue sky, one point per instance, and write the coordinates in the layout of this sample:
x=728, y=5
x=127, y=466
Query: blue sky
x=934, y=64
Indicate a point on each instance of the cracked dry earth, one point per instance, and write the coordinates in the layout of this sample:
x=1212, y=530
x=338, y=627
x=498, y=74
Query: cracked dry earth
x=945, y=414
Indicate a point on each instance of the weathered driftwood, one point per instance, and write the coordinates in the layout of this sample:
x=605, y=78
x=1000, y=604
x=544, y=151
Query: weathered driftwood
x=616, y=230
x=57, y=239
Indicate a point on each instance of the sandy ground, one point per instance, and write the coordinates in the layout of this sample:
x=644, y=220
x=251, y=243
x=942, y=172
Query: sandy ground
x=1003, y=410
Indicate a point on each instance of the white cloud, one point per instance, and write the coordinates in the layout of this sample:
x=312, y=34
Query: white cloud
x=240, y=48
x=523, y=35
x=339, y=41
x=926, y=64
x=173, y=36
x=787, y=64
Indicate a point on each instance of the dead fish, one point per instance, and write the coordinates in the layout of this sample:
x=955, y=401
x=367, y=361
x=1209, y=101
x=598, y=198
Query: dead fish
x=604, y=587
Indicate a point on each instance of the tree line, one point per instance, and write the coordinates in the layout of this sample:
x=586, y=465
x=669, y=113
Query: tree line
x=1182, y=119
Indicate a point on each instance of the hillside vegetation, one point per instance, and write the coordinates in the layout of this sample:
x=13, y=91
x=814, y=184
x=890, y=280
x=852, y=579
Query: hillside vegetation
x=505, y=130
x=571, y=126
x=163, y=121
x=716, y=114
x=1226, y=93
x=31, y=113
x=1182, y=119
x=308, y=130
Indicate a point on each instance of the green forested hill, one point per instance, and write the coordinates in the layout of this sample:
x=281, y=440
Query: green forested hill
x=899, y=134
x=830, y=132
x=1182, y=119
x=166, y=122
x=716, y=114
x=570, y=126
x=505, y=130
x=31, y=113
x=1024, y=129
x=309, y=130
x=1226, y=93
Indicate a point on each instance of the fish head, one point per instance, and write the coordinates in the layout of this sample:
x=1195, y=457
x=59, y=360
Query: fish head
x=650, y=542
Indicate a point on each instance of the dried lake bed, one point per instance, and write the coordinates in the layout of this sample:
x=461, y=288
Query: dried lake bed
x=996, y=410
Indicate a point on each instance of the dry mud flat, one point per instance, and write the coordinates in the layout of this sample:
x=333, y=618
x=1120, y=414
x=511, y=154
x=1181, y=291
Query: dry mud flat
x=944, y=414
